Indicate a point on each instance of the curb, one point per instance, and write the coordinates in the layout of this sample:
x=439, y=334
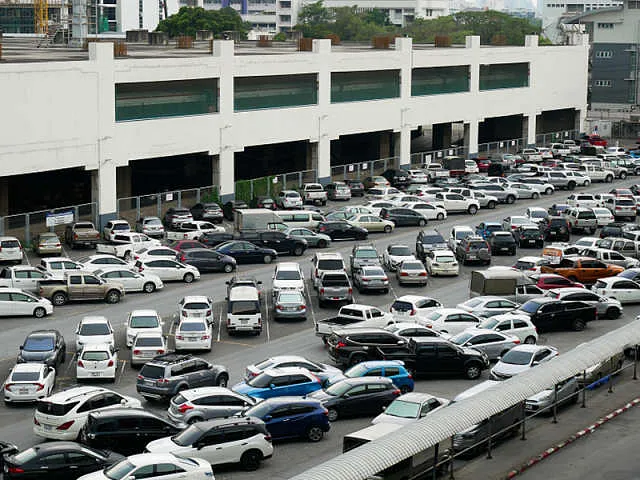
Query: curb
x=582, y=433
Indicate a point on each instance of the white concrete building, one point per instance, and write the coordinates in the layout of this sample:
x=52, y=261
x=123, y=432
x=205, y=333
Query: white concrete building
x=109, y=115
x=401, y=12
x=554, y=12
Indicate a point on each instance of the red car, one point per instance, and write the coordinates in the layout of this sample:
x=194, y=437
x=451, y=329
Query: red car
x=547, y=281
x=597, y=140
x=182, y=245
x=483, y=164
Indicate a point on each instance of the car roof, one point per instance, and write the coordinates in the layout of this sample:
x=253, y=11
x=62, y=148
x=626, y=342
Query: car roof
x=202, y=391
x=530, y=259
x=94, y=319
x=525, y=347
x=144, y=312
x=27, y=367
x=416, y=397
x=122, y=412
x=96, y=347
x=288, y=266
x=195, y=298
x=412, y=298
x=58, y=446
x=430, y=340
x=70, y=394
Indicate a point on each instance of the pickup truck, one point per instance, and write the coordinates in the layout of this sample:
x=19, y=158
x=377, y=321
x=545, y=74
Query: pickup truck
x=559, y=180
x=596, y=173
x=530, y=155
x=125, y=244
x=334, y=287
x=313, y=193
x=80, y=286
x=560, y=150
x=193, y=230
x=81, y=233
x=582, y=269
x=455, y=202
x=572, y=146
x=363, y=255
x=23, y=277
x=349, y=315
x=435, y=170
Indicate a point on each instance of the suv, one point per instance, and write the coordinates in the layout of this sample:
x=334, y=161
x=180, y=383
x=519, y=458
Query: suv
x=622, y=207
x=427, y=241
x=556, y=229
x=473, y=248
x=397, y=178
x=231, y=440
x=364, y=255
x=287, y=277
x=560, y=179
x=10, y=250
x=326, y=262
x=62, y=415
x=350, y=346
x=581, y=218
x=166, y=375
x=548, y=313
x=206, y=403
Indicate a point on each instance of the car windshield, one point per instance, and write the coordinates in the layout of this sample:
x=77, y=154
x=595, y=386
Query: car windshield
x=291, y=298
x=338, y=389
x=403, y=409
x=95, y=356
x=474, y=302
x=400, y=251
x=148, y=341
x=530, y=307
x=25, y=456
x=517, y=357
x=537, y=214
x=331, y=264
x=461, y=338
x=192, y=327
x=489, y=324
x=259, y=410
x=196, y=306
x=444, y=258
x=38, y=344
x=261, y=381
x=373, y=272
x=288, y=275
x=530, y=233
x=94, y=329
x=366, y=253
x=187, y=437
x=150, y=321
x=431, y=239
x=433, y=316
x=360, y=369
x=244, y=307
x=25, y=376
x=152, y=221
x=412, y=266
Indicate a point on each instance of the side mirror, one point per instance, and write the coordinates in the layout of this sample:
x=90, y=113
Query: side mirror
x=499, y=358
x=272, y=386
x=268, y=418
x=123, y=401
x=199, y=445
x=534, y=364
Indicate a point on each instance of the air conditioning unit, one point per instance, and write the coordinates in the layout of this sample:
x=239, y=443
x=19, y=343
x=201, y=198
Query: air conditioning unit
x=635, y=118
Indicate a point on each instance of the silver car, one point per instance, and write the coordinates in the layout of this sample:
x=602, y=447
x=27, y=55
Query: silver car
x=371, y=278
x=606, y=307
x=494, y=344
x=199, y=404
x=290, y=304
x=567, y=393
x=411, y=272
x=488, y=306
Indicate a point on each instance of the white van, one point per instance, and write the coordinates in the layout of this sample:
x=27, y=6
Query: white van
x=243, y=310
x=300, y=218
x=10, y=250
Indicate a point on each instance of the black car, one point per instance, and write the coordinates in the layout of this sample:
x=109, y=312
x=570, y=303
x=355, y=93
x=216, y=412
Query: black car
x=340, y=230
x=403, y=216
x=502, y=242
x=557, y=209
x=357, y=397
x=278, y=241
x=550, y=314
x=356, y=186
x=263, y=202
x=528, y=236
x=43, y=346
x=556, y=229
x=247, y=252
x=229, y=208
x=213, y=239
x=397, y=178
x=57, y=461
x=350, y=346
x=496, y=169
x=124, y=430
x=207, y=211
x=615, y=229
x=427, y=241
x=207, y=260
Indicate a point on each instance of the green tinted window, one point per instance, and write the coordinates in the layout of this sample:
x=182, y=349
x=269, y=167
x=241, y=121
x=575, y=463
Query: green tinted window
x=370, y=85
x=439, y=80
x=504, y=75
x=276, y=91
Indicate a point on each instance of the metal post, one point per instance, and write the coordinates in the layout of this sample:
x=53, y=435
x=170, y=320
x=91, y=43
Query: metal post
x=524, y=418
x=27, y=228
x=451, y=461
x=584, y=389
x=251, y=188
x=635, y=349
x=179, y=198
x=137, y=208
x=2, y=219
x=198, y=195
x=300, y=179
x=434, y=470
x=490, y=423
x=555, y=403
x=160, y=206
x=610, y=383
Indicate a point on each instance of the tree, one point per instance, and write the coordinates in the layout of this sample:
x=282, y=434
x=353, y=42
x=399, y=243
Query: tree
x=377, y=17
x=313, y=20
x=189, y=20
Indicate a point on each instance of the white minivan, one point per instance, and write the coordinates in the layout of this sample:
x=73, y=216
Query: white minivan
x=243, y=310
x=300, y=218
x=10, y=250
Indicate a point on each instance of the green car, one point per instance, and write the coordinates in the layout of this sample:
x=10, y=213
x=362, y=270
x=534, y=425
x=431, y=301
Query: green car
x=313, y=239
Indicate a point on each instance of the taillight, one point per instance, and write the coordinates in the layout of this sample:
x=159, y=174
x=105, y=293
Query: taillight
x=179, y=337
x=15, y=470
x=350, y=290
x=75, y=236
x=205, y=337
x=322, y=291
x=423, y=274
x=35, y=421
x=80, y=364
x=137, y=352
x=8, y=386
x=140, y=377
x=40, y=387
x=396, y=391
x=185, y=313
x=341, y=345
x=413, y=311
x=183, y=257
x=66, y=425
x=208, y=312
x=267, y=438
x=185, y=407
x=279, y=307
x=163, y=380
x=301, y=307
x=404, y=274
x=516, y=341
x=325, y=412
x=110, y=364
x=160, y=352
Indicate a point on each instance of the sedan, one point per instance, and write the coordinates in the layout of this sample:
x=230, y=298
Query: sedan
x=410, y=408
x=140, y=466
x=60, y=461
x=29, y=382
x=603, y=216
x=155, y=252
x=207, y=260
x=131, y=280
x=97, y=361
x=246, y=252
x=371, y=278
x=43, y=346
x=431, y=212
x=48, y=243
x=494, y=344
x=620, y=288
x=102, y=261
x=395, y=254
x=147, y=345
x=441, y=262
x=313, y=239
x=488, y=306
x=606, y=307
x=169, y=270
x=511, y=223
x=411, y=272
x=320, y=370
x=356, y=397
x=15, y=302
x=520, y=359
x=139, y=321
x=371, y=223
x=525, y=191
x=290, y=305
x=342, y=230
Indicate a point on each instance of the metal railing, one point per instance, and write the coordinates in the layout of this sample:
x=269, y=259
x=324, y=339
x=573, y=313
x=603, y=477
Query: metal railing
x=361, y=170
x=26, y=226
x=272, y=185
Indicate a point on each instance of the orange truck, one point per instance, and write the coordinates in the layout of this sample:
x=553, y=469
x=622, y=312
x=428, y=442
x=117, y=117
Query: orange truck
x=583, y=269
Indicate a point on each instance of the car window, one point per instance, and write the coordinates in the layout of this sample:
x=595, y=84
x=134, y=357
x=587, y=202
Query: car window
x=54, y=460
x=374, y=372
x=391, y=371
x=145, y=471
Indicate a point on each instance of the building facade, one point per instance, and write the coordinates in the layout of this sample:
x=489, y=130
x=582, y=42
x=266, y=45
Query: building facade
x=400, y=12
x=555, y=12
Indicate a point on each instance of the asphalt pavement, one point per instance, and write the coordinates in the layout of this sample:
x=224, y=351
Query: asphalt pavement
x=278, y=337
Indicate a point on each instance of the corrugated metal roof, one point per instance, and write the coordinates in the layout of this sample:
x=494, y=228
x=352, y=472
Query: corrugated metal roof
x=373, y=457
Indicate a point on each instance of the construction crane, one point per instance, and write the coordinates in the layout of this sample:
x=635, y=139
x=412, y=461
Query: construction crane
x=41, y=16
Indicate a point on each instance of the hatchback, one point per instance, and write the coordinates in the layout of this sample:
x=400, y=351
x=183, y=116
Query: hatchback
x=15, y=302
x=450, y=320
x=494, y=344
x=520, y=359
x=144, y=465
x=410, y=305
x=193, y=334
x=320, y=370
x=487, y=306
x=290, y=305
x=169, y=270
x=277, y=382
x=10, y=250
x=371, y=278
x=97, y=361
x=513, y=324
x=206, y=403
x=502, y=242
x=392, y=369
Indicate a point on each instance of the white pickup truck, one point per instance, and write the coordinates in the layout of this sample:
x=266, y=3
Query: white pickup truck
x=24, y=277
x=313, y=193
x=531, y=155
x=193, y=230
x=123, y=245
x=560, y=150
x=435, y=170
x=597, y=173
x=353, y=315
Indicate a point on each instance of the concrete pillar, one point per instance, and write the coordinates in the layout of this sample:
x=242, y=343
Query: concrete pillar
x=123, y=182
x=529, y=126
x=402, y=148
x=441, y=136
x=473, y=42
x=580, y=119
x=226, y=175
x=471, y=132
x=320, y=147
x=103, y=186
x=320, y=153
x=4, y=196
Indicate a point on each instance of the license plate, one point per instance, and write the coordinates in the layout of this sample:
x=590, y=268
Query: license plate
x=375, y=282
x=48, y=428
x=472, y=257
x=149, y=382
x=96, y=374
x=23, y=391
x=291, y=309
x=531, y=241
x=554, y=232
x=244, y=321
x=504, y=249
x=192, y=339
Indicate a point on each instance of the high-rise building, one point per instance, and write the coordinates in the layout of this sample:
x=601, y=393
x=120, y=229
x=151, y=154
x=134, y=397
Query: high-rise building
x=556, y=12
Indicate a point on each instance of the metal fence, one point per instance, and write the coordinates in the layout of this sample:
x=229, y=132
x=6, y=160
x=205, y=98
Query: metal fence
x=26, y=226
x=358, y=171
x=272, y=185
x=422, y=158
x=132, y=208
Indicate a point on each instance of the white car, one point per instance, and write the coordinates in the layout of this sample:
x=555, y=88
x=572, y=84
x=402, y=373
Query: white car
x=140, y=321
x=382, y=193
x=195, y=307
x=193, y=334
x=530, y=264
x=579, y=177
x=471, y=167
x=114, y=227
x=513, y=324
x=97, y=361
x=536, y=215
x=144, y=464
x=28, y=382
x=411, y=330
x=454, y=202
x=289, y=199
x=441, y=262
x=511, y=223
x=15, y=302
x=524, y=190
x=399, y=200
x=587, y=242
x=62, y=415
x=487, y=306
x=131, y=280
x=147, y=345
x=582, y=200
x=413, y=305
x=57, y=266
x=11, y=250
x=458, y=233
x=377, y=206
x=431, y=211
x=450, y=320
x=520, y=359
x=603, y=216
x=287, y=276
x=102, y=261
x=169, y=270
x=94, y=330
x=410, y=407
x=418, y=176
x=394, y=255
x=152, y=253
x=620, y=288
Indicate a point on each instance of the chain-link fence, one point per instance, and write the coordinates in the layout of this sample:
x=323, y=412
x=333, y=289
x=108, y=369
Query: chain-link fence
x=26, y=226
x=422, y=158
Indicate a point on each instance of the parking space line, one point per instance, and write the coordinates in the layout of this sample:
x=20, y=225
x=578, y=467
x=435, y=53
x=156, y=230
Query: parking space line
x=231, y=342
x=267, y=317
x=71, y=362
x=219, y=325
x=313, y=313
x=124, y=364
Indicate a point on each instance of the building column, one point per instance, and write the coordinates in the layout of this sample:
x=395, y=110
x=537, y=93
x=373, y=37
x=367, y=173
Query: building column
x=471, y=132
x=4, y=196
x=224, y=162
x=226, y=175
x=530, y=124
x=402, y=148
x=123, y=182
x=320, y=147
x=103, y=192
x=385, y=145
x=319, y=155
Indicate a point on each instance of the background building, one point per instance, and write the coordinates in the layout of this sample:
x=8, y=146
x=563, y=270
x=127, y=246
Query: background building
x=400, y=12
x=556, y=12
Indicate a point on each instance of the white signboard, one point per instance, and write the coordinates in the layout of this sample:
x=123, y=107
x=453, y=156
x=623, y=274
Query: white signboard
x=274, y=180
x=364, y=166
x=351, y=168
x=53, y=219
x=169, y=197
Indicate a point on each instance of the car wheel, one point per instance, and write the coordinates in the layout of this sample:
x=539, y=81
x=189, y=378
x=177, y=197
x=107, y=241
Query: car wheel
x=315, y=434
x=422, y=222
x=535, y=196
x=113, y=296
x=491, y=205
x=322, y=243
x=332, y=414
x=388, y=228
x=356, y=359
x=267, y=259
x=609, y=179
x=473, y=371
x=188, y=277
x=530, y=340
x=511, y=199
x=623, y=175
x=548, y=191
x=149, y=287
x=59, y=299
x=39, y=312
x=472, y=210
x=404, y=389
x=440, y=216
x=223, y=381
x=228, y=268
x=613, y=313
x=298, y=251
x=577, y=325
x=250, y=460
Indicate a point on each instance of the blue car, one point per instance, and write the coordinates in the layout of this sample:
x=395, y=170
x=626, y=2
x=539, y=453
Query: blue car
x=485, y=229
x=292, y=417
x=277, y=382
x=393, y=369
